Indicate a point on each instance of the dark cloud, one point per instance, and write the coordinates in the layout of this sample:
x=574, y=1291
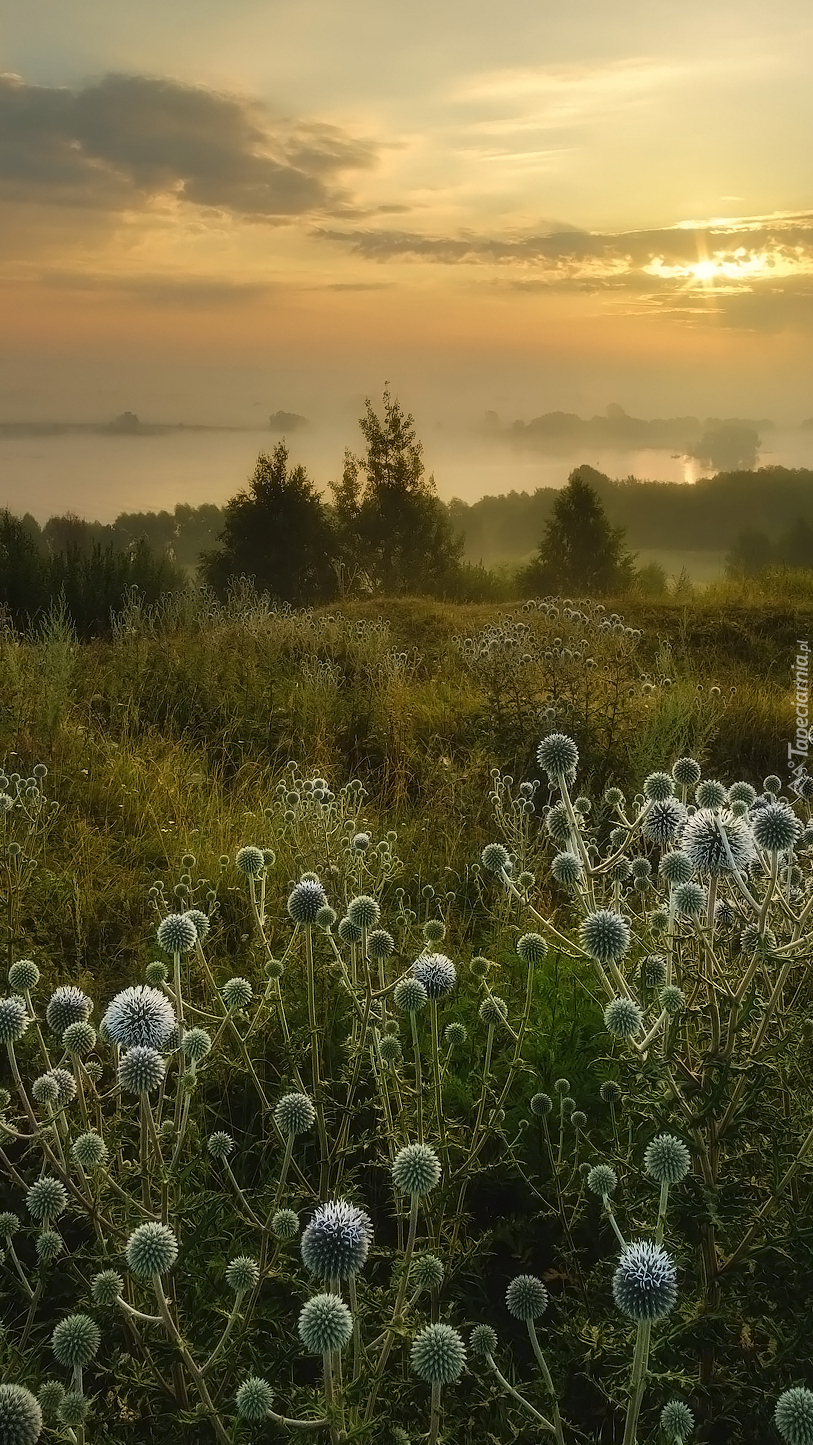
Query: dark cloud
x=129, y=137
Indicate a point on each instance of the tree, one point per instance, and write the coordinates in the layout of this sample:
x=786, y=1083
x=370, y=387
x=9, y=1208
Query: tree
x=279, y=533
x=751, y=552
x=580, y=552
x=392, y=519
x=795, y=547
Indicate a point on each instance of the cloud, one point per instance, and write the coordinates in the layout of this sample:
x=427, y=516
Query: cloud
x=160, y=289
x=127, y=139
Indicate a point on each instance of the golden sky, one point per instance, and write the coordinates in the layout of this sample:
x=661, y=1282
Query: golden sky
x=209, y=208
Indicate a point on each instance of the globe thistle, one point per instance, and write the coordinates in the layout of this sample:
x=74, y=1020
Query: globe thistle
x=89, y=1150
x=658, y=787
x=436, y=972
x=361, y=842
x=349, y=932
x=274, y=968
x=237, y=993
x=704, y=843
x=623, y=1018
x=620, y=870
x=254, y=1400
x=434, y=931
x=493, y=1010
x=73, y=1409
x=752, y=941
x=410, y=995
x=139, y=1015
x=336, y=1242
x=605, y=936
x=294, y=1114
x=250, y=861
x=710, y=794
x=438, y=1354
x=49, y=1246
x=532, y=948
x=24, y=975
x=541, y=1105
x=479, y=966
x=106, y=1288
x=79, y=1038
x=201, y=921
x=426, y=1271
x=741, y=793
x=578, y=1119
x=526, y=1297
x=325, y=1324
x=677, y=1421
x=557, y=825
x=602, y=1180
x=663, y=821
x=566, y=869
x=151, y=1249
x=220, y=1145
x=156, y=974
x=614, y=797
x=672, y=999
x=653, y=971
x=177, y=933
x=242, y=1273
x=690, y=899
x=363, y=911
x=455, y=1034
x=772, y=784
x=495, y=858
x=20, y=1416
x=9, y=1223
x=641, y=868
x=558, y=755
x=416, y=1169
x=676, y=867
x=285, y=1225
x=483, y=1340
x=666, y=1159
x=686, y=772
x=14, y=1019
x=67, y=1005
x=645, y=1281
x=196, y=1044
x=75, y=1341
x=561, y=1086
x=794, y=1415
x=141, y=1070
x=389, y=1048
x=776, y=828
x=65, y=1086
x=610, y=1091
x=658, y=919
x=46, y=1199
x=306, y=900
x=50, y=1395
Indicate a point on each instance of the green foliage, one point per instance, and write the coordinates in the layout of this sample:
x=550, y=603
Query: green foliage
x=580, y=551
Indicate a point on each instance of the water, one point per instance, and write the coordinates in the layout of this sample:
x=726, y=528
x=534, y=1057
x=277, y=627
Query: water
x=99, y=476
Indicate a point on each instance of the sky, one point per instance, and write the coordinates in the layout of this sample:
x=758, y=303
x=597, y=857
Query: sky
x=211, y=212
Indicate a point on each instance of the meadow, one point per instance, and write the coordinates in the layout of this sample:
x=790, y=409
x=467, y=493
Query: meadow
x=418, y=987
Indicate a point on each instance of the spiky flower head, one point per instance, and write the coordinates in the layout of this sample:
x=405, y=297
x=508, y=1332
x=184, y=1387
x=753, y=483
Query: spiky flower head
x=690, y=899
x=741, y=793
x=89, y=1150
x=349, y=932
x=641, y=868
x=294, y=1114
x=196, y=1044
x=558, y=755
x=686, y=772
x=9, y=1223
x=752, y=941
x=250, y=861
x=772, y=784
x=46, y=1199
x=79, y=1038
x=561, y=1085
x=220, y=1145
x=151, y=1249
x=416, y=1169
x=426, y=1271
x=325, y=1324
x=254, y=1400
x=410, y=995
x=336, y=1242
x=305, y=900
x=704, y=841
x=557, y=824
x=526, y=1297
x=363, y=911
x=610, y=1091
x=676, y=867
x=495, y=858
x=672, y=999
x=156, y=974
x=141, y=1070
x=201, y=921
x=776, y=827
x=613, y=797
x=566, y=869
x=663, y=821
x=620, y=870
x=49, y=1246
x=653, y=970
x=389, y=1047
x=483, y=1340
x=645, y=1281
x=493, y=1010
x=623, y=1018
x=242, y=1273
x=24, y=975
x=794, y=1415
x=237, y=993
x=436, y=972
x=326, y=917
x=455, y=1034
x=438, y=1354
x=434, y=930
x=14, y=1019
x=677, y=1421
x=666, y=1159
x=658, y=787
x=285, y=1225
x=361, y=842
x=605, y=935
x=531, y=947
x=140, y=1015
x=710, y=794
x=602, y=1180
x=67, y=1005
x=73, y=1409
x=75, y=1341
x=177, y=933
x=50, y=1395
x=20, y=1416
x=106, y=1288
x=541, y=1105
x=45, y=1091
x=380, y=944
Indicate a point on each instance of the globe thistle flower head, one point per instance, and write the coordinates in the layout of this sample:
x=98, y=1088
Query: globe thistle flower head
x=605, y=935
x=658, y=787
x=426, y=1271
x=73, y=1409
x=752, y=941
x=793, y=1415
x=141, y=1070
x=416, y=1169
x=75, y=1341
x=704, y=841
x=220, y=1145
x=79, y=1038
x=49, y=1246
x=151, y=1249
x=250, y=861
x=89, y=1150
x=483, y=1340
x=201, y=921
x=242, y=1273
x=176, y=933
x=438, y=1354
x=578, y=1119
x=361, y=842
x=561, y=1086
x=672, y=1000
x=20, y=1416
x=24, y=975
x=46, y=1199
x=436, y=972
x=410, y=995
x=434, y=930
x=336, y=1243
x=380, y=944
x=653, y=970
x=274, y=968
x=526, y=1297
x=325, y=1324
x=686, y=772
x=776, y=828
x=141, y=1015
x=557, y=826
x=495, y=858
x=50, y=1396
x=531, y=948
x=566, y=869
x=493, y=1010
x=196, y=1044
x=541, y=1105
x=67, y=1005
x=741, y=793
x=621, y=870
x=294, y=1114
x=106, y=1288
x=666, y=1159
x=623, y=1018
x=725, y=915
x=676, y=867
x=65, y=1084
x=641, y=868
x=772, y=784
x=254, y=1400
x=455, y=1034
x=602, y=1180
x=710, y=794
x=610, y=1091
x=237, y=993
x=14, y=1019
x=9, y=1223
x=558, y=755
x=156, y=974
x=663, y=821
x=285, y=1225
x=389, y=1048
x=677, y=1421
x=645, y=1281
x=363, y=911
x=690, y=899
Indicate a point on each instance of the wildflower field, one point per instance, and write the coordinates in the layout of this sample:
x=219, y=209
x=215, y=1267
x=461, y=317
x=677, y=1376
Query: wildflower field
x=407, y=1033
